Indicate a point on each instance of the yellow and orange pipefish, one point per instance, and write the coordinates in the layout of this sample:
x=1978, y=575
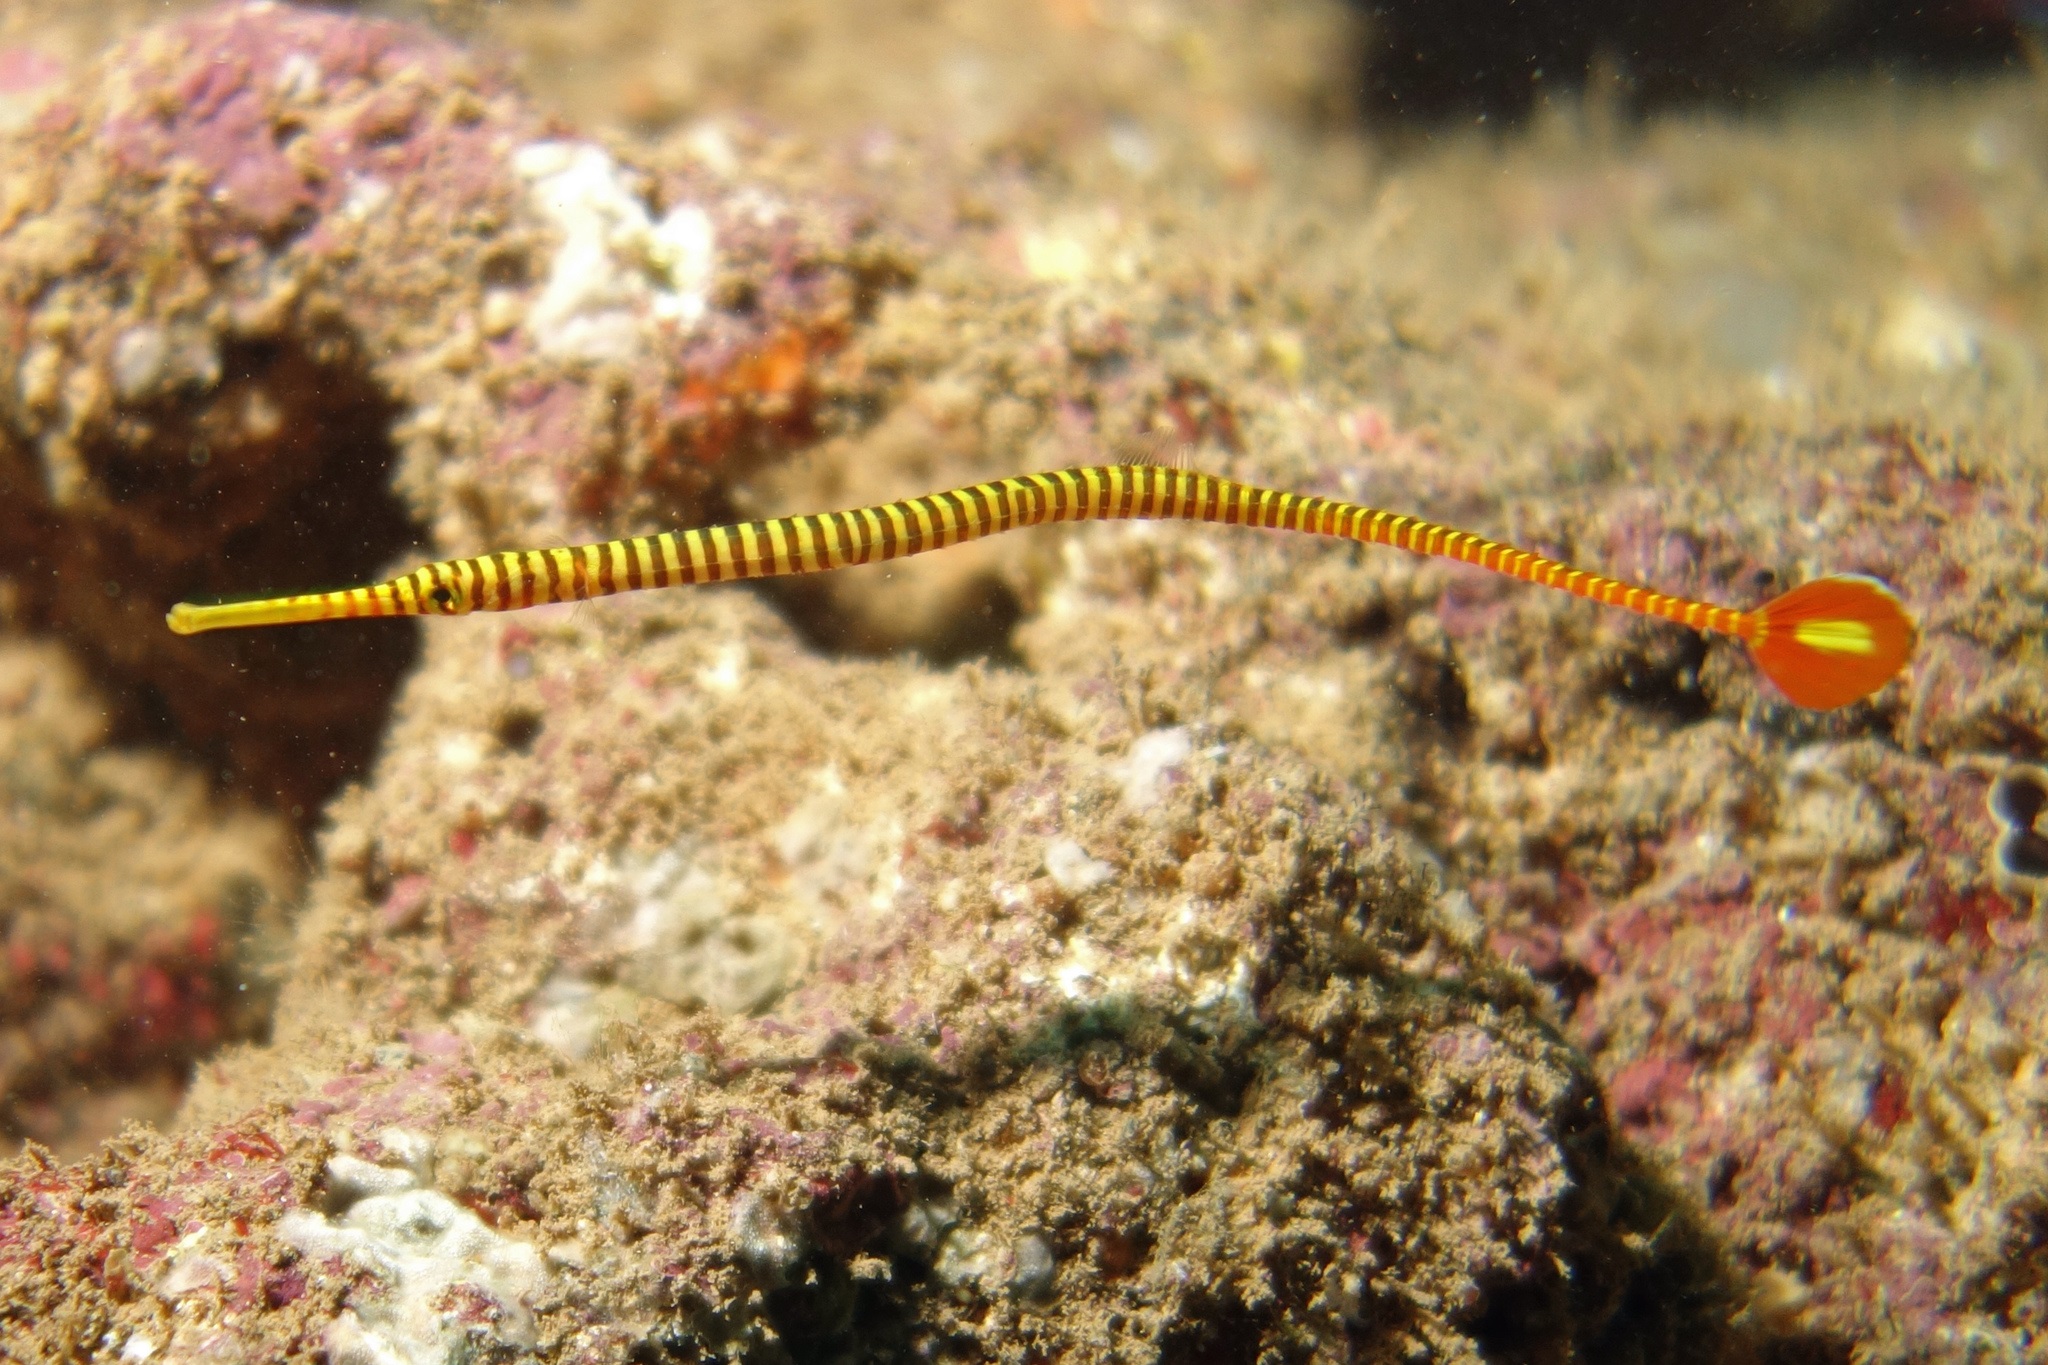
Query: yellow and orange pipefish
x=1825, y=644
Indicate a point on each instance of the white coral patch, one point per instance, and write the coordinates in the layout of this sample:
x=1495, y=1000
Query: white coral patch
x=569, y=1013
x=452, y=1285
x=352, y=1178
x=676, y=919
x=835, y=862
x=618, y=268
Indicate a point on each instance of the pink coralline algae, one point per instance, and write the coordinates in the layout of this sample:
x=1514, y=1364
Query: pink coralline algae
x=234, y=120
x=1829, y=1059
x=109, y=1231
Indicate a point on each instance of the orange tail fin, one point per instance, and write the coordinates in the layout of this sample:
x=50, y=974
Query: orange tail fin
x=1832, y=641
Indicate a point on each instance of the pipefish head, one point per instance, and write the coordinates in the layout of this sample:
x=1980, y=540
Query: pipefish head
x=447, y=599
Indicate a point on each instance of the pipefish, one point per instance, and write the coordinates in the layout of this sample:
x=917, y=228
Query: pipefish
x=1824, y=644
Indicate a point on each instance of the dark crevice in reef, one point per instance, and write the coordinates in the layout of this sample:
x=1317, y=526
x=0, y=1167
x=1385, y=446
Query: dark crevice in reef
x=980, y=627
x=1662, y=671
x=827, y=1316
x=274, y=479
x=1451, y=62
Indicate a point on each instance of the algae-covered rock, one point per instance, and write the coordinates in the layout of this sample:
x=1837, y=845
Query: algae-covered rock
x=1215, y=945
x=1257, y=1088
x=286, y=293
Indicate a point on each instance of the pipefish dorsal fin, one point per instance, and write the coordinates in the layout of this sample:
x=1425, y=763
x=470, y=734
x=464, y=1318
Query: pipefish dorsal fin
x=1161, y=448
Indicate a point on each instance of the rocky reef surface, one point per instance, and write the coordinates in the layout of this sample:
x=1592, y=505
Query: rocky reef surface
x=1131, y=942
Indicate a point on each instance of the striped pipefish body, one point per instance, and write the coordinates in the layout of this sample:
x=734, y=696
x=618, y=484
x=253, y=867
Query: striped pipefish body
x=1826, y=643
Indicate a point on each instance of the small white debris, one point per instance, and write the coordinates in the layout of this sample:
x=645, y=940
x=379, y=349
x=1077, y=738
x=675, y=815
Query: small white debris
x=1032, y=1267
x=459, y=753
x=190, y=1269
x=682, y=247
x=1842, y=1077
x=139, y=357
x=1132, y=146
x=1072, y=870
x=1461, y=920
x=392, y=1056
x=1078, y=974
x=563, y=1015
x=966, y=1255
x=1927, y=332
x=298, y=78
x=676, y=920
x=149, y=360
x=366, y=195
x=569, y=1013
x=926, y=1222
x=1055, y=258
x=137, y=1349
x=727, y=669
x=832, y=859
x=42, y=375
x=414, y=1151
x=569, y=1253
x=502, y=311
x=1144, y=770
x=770, y=1239
x=708, y=141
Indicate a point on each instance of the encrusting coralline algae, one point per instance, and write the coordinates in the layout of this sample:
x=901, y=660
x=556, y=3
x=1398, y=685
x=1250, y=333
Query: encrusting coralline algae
x=1274, y=952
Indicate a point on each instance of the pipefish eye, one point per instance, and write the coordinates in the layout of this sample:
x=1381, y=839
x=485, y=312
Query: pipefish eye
x=443, y=597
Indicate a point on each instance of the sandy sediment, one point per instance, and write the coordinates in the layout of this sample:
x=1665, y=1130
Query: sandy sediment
x=1255, y=947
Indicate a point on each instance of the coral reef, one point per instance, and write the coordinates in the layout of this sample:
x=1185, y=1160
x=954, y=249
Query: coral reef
x=1213, y=947
x=1248, y=1087
x=265, y=236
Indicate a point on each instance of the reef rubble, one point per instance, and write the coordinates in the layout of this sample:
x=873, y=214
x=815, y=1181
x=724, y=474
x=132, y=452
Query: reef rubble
x=1128, y=943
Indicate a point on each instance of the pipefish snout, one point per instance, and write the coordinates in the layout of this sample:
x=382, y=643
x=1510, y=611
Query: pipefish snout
x=1824, y=644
